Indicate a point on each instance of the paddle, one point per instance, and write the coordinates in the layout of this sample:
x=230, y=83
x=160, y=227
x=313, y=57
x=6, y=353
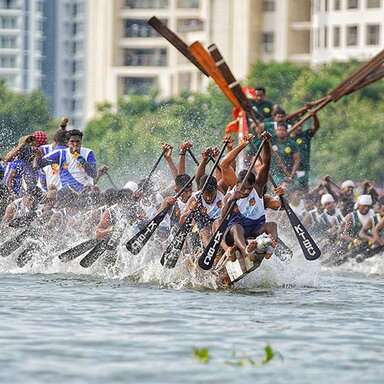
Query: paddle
x=172, y=253
x=310, y=249
x=77, y=250
x=137, y=242
x=110, y=180
x=12, y=244
x=208, y=256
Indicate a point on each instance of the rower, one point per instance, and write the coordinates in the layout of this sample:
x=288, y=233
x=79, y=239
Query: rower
x=356, y=220
x=366, y=232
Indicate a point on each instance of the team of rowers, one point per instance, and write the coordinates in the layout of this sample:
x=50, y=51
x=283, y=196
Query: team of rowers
x=51, y=189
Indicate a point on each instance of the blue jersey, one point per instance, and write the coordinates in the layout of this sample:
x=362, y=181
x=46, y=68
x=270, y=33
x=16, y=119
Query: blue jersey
x=72, y=173
x=18, y=167
x=50, y=175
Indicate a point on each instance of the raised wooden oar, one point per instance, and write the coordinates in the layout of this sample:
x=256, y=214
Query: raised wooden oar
x=175, y=40
x=357, y=80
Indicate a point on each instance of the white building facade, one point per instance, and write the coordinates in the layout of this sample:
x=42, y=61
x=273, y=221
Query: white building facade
x=21, y=44
x=345, y=29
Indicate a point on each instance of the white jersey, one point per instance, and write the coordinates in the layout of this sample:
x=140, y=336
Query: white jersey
x=176, y=211
x=336, y=218
x=213, y=209
x=364, y=218
x=151, y=209
x=252, y=206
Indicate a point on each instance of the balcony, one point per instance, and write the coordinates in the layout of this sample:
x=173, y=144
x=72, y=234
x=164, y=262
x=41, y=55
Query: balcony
x=145, y=57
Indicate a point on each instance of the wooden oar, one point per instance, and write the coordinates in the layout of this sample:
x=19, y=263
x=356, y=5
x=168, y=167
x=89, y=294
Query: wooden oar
x=357, y=80
x=175, y=40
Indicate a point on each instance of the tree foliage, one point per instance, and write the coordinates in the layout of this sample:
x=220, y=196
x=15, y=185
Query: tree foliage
x=347, y=145
x=21, y=114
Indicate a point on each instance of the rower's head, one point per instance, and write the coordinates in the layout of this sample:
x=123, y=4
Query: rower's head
x=364, y=204
x=381, y=206
x=249, y=184
x=260, y=94
x=328, y=203
x=347, y=188
x=181, y=180
x=210, y=191
x=124, y=197
x=278, y=114
x=74, y=140
x=60, y=137
x=109, y=196
x=281, y=131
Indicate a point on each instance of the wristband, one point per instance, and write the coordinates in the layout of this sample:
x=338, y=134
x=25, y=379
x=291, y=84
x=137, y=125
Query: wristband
x=182, y=153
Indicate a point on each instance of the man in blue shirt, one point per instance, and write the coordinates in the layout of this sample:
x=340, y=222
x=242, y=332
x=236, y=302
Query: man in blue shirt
x=76, y=164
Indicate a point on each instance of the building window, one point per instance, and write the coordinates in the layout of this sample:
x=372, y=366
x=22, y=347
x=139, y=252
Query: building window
x=352, y=35
x=7, y=62
x=373, y=34
x=336, y=36
x=336, y=5
x=373, y=3
x=139, y=28
x=136, y=57
x=7, y=42
x=138, y=85
x=268, y=6
x=188, y=3
x=267, y=40
x=8, y=22
x=10, y=4
x=189, y=25
x=140, y=4
x=352, y=4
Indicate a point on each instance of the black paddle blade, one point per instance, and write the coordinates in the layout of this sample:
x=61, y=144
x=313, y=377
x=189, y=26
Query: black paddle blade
x=172, y=253
x=94, y=254
x=24, y=257
x=11, y=245
x=310, y=249
x=207, y=258
x=282, y=251
x=78, y=250
x=137, y=242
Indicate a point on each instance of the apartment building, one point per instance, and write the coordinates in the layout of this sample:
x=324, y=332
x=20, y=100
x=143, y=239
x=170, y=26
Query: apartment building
x=127, y=56
x=21, y=44
x=344, y=29
x=64, y=58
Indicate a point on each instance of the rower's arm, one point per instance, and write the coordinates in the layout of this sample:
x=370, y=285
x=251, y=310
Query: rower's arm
x=296, y=164
x=315, y=124
x=8, y=215
x=263, y=171
x=104, y=228
x=363, y=234
x=227, y=172
x=346, y=233
x=200, y=171
x=376, y=232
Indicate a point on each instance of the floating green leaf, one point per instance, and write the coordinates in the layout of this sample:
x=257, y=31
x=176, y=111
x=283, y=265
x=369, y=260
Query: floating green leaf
x=201, y=355
x=269, y=354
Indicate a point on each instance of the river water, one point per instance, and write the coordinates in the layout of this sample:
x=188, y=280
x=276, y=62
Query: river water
x=140, y=323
